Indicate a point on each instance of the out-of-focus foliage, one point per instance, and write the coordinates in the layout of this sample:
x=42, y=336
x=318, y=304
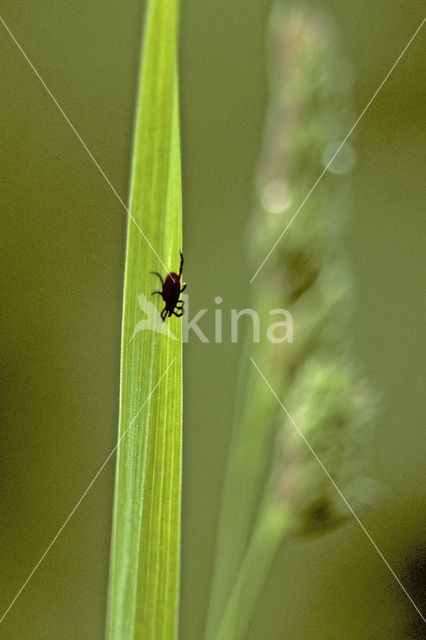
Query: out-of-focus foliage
x=308, y=115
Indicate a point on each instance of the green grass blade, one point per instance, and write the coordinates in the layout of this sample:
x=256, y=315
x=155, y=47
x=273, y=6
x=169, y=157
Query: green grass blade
x=144, y=571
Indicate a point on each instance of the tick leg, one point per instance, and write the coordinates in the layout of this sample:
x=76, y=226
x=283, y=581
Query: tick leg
x=179, y=307
x=155, y=273
x=163, y=314
x=159, y=292
x=181, y=264
x=184, y=287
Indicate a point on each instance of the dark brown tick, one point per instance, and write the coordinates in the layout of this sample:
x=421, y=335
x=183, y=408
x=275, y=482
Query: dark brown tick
x=171, y=291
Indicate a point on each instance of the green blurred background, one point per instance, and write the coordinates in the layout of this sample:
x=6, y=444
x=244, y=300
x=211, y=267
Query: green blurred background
x=61, y=269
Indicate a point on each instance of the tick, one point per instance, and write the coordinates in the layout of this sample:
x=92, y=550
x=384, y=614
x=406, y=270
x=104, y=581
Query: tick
x=171, y=291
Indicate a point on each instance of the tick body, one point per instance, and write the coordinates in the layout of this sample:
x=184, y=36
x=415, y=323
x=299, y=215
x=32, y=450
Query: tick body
x=170, y=292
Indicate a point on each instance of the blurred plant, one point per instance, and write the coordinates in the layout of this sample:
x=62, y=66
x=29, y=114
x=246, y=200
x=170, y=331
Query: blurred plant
x=144, y=570
x=323, y=391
